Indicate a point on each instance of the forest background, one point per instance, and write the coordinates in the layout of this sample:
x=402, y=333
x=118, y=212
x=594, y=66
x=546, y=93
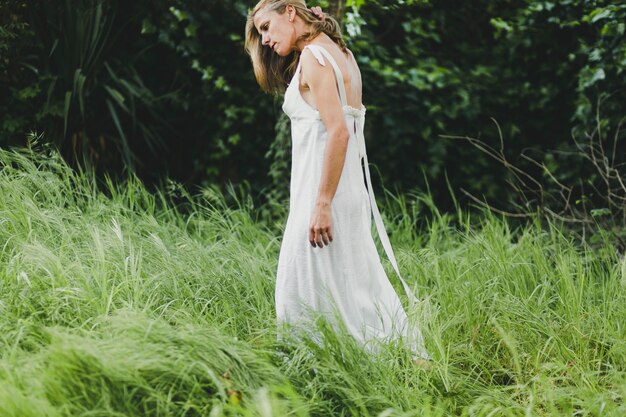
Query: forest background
x=164, y=89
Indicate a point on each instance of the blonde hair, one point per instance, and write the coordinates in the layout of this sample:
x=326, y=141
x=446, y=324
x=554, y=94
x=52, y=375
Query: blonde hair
x=273, y=72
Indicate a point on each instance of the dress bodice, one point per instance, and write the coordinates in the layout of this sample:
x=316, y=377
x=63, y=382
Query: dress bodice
x=299, y=111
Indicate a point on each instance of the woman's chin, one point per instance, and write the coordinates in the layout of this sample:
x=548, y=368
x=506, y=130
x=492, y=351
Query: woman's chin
x=282, y=51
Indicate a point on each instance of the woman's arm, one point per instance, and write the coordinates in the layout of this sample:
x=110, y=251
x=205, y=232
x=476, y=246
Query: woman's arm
x=323, y=85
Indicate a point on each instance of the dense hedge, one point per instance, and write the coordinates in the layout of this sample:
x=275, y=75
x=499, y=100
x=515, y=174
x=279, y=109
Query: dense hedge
x=166, y=89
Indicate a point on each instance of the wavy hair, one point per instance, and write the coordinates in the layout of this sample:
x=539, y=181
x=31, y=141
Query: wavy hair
x=272, y=71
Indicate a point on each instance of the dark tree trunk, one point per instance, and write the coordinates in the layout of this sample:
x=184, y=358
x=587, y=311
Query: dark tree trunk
x=337, y=8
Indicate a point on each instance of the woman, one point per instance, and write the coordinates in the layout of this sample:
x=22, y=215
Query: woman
x=328, y=261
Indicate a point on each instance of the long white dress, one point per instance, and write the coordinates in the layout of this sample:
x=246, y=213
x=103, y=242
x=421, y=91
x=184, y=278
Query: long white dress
x=346, y=279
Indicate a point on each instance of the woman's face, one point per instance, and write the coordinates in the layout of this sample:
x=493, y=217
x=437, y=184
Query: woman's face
x=276, y=30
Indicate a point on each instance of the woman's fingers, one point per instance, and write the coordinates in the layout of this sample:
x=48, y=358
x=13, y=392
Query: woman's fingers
x=319, y=236
x=320, y=227
x=317, y=11
x=312, y=236
x=324, y=235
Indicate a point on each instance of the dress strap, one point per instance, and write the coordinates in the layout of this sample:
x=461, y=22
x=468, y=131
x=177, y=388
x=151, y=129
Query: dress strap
x=319, y=52
x=380, y=228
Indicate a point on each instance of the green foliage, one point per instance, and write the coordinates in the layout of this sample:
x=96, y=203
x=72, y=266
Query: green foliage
x=81, y=83
x=15, y=37
x=227, y=123
x=127, y=302
x=168, y=89
x=140, y=86
x=447, y=68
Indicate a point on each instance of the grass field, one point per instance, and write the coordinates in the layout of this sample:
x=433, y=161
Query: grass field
x=120, y=303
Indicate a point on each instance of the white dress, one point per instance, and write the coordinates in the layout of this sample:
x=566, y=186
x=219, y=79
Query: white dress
x=346, y=279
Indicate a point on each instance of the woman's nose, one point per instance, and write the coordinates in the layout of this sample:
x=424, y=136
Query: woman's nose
x=265, y=40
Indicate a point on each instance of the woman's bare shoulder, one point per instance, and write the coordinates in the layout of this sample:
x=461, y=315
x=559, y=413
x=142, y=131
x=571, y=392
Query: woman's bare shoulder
x=313, y=65
x=311, y=59
x=351, y=57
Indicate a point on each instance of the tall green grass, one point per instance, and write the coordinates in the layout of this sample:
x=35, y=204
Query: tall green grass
x=118, y=301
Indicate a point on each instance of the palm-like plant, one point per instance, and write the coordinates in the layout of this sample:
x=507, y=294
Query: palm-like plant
x=94, y=87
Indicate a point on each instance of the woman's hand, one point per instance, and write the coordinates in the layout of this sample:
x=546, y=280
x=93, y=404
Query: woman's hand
x=317, y=11
x=321, y=229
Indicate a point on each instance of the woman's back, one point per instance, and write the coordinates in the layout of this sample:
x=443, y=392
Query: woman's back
x=349, y=70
